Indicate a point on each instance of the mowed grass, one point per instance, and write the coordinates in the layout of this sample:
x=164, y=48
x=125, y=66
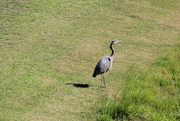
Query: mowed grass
x=47, y=46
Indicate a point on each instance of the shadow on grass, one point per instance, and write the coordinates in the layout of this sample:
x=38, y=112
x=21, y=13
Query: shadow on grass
x=79, y=85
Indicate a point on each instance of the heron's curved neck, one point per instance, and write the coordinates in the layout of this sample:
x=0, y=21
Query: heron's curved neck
x=112, y=54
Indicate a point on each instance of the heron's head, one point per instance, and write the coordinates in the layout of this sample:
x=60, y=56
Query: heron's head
x=116, y=41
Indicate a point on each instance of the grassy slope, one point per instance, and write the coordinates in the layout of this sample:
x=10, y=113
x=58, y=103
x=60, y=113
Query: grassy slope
x=149, y=95
x=47, y=45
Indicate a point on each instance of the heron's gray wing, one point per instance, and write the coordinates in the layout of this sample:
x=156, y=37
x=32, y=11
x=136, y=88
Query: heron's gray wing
x=103, y=65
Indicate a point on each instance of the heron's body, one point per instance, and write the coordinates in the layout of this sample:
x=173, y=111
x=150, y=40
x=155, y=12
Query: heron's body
x=105, y=63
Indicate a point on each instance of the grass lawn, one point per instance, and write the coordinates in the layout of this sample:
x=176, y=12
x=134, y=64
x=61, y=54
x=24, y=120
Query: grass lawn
x=49, y=48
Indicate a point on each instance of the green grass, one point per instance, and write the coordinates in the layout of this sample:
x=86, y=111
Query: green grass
x=149, y=95
x=46, y=46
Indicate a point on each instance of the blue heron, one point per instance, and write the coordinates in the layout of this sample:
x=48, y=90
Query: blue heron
x=105, y=64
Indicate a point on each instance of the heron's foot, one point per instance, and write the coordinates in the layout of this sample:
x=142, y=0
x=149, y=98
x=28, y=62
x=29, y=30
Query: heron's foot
x=104, y=88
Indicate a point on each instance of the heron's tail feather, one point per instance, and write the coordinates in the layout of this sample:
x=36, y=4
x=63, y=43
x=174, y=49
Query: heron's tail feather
x=94, y=75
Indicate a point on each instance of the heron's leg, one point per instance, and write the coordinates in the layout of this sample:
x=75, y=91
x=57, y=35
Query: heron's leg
x=104, y=82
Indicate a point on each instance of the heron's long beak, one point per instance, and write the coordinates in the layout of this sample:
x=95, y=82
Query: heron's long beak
x=119, y=40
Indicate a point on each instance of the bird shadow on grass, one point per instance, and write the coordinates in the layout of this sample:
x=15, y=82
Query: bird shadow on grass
x=79, y=85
